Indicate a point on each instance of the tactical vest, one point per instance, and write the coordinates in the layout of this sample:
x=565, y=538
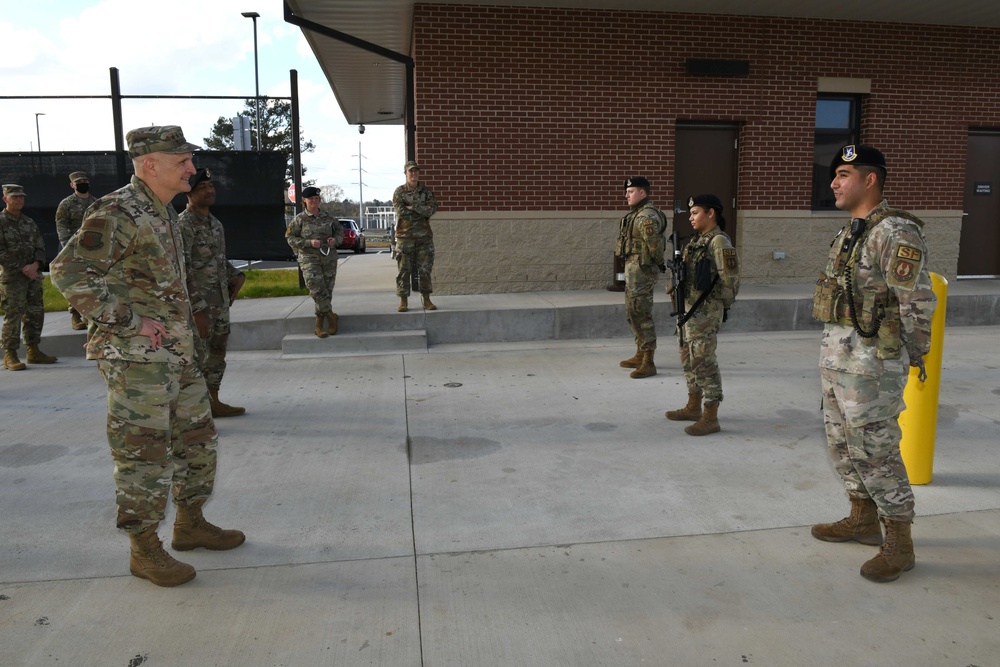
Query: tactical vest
x=628, y=245
x=836, y=300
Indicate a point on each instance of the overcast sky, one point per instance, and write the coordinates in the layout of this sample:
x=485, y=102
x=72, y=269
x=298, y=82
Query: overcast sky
x=182, y=47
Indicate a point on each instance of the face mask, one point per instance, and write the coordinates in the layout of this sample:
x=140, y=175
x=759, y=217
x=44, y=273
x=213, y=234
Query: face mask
x=83, y=188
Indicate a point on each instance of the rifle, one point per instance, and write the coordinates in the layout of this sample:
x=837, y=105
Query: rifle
x=678, y=284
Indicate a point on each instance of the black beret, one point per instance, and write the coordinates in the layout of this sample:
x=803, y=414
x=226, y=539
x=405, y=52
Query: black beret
x=310, y=192
x=637, y=182
x=706, y=202
x=199, y=176
x=858, y=156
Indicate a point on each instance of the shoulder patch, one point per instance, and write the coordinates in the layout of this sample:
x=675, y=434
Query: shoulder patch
x=909, y=253
x=92, y=240
x=730, y=260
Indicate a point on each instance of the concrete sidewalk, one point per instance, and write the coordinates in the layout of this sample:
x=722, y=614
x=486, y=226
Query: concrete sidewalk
x=502, y=504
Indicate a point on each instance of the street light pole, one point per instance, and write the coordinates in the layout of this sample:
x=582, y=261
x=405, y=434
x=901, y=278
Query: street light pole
x=38, y=133
x=256, y=73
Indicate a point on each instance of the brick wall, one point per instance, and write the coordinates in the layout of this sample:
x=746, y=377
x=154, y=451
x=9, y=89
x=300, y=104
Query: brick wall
x=547, y=109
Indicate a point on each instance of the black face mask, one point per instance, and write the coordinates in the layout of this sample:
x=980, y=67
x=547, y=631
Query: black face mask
x=82, y=188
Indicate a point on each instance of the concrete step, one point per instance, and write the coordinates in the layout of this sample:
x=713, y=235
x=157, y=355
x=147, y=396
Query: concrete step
x=353, y=344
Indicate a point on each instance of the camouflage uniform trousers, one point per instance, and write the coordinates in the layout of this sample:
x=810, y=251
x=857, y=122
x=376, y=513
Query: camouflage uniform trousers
x=23, y=306
x=701, y=367
x=320, y=275
x=161, y=434
x=639, y=284
x=211, y=351
x=414, y=254
x=862, y=432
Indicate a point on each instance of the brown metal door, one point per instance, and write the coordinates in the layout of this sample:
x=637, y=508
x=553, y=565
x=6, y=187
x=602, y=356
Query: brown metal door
x=979, y=248
x=705, y=164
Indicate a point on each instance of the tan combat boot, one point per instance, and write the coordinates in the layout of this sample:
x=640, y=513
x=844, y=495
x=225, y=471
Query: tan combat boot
x=689, y=413
x=708, y=422
x=402, y=305
x=646, y=367
x=634, y=362
x=427, y=301
x=192, y=530
x=319, y=329
x=895, y=555
x=332, y=320
x=220, y=409
x=861, y=525
x=150, y=561
x=36, y=356
x=11, y=362
x=76, y=321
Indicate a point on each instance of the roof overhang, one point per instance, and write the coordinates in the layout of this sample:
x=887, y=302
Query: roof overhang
x=371, y=88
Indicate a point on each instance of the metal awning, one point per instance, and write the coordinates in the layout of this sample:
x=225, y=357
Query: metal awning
x=371, y=88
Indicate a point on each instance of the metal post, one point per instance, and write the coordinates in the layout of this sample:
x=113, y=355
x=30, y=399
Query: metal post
x=256, y=73
x=296, y=144
x=116, y=115
x=361, y=192
x=38, y=133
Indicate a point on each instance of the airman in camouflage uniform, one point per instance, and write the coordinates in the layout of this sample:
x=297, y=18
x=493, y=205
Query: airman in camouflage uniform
x=69, y=217
x=414, y=205
x=22, y=252
x=213, y=284
x=124, y=271
x=641, y=242
x=876, y=300
x=315, y=235
x=712, y=268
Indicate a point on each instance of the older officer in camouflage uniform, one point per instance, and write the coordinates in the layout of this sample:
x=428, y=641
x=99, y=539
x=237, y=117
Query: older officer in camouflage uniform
x=641, y=242
x=414, y=205
x=876, y=300
x=315, y=235
x=213, y=284
x=69, y=217
x=712, y=271
x=22, y=252
x=124, y=271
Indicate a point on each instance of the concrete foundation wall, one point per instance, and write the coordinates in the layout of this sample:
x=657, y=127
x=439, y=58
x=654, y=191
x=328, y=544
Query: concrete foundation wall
x=490, y=252
x=804, y=238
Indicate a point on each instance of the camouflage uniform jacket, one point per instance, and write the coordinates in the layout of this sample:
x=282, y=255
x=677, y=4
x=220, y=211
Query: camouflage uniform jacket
x=208, y=270
x=69, y=215
x=305, y=227
x=715, y=246
x=20, y=244
x=414, y=208
x=642, y=235
x=889, y=277
x=126, y=263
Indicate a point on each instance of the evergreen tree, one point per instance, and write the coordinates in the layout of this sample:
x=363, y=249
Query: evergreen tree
x=276, y=135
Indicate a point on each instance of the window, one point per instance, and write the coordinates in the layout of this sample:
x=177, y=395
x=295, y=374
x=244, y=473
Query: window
x=838, y=119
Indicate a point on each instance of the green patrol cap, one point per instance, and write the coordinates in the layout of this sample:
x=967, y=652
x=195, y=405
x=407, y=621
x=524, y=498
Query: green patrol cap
x=78, y=176
x=410, y=165
x=13, y=190
x=158, y=139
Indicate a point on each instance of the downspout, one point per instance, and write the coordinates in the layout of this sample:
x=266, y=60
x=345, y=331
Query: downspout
x=407, y=61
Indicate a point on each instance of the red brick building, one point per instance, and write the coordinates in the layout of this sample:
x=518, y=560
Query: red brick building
x=526, y=120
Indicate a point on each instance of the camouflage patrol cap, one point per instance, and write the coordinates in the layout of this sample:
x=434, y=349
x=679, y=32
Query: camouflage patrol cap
x=637, y=182
x=858, y=156
x=158, y=139
x=13, y=190
x=78, y=176
x=410, y=165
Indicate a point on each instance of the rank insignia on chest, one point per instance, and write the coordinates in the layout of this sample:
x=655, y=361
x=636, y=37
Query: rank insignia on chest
x=92, y=240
